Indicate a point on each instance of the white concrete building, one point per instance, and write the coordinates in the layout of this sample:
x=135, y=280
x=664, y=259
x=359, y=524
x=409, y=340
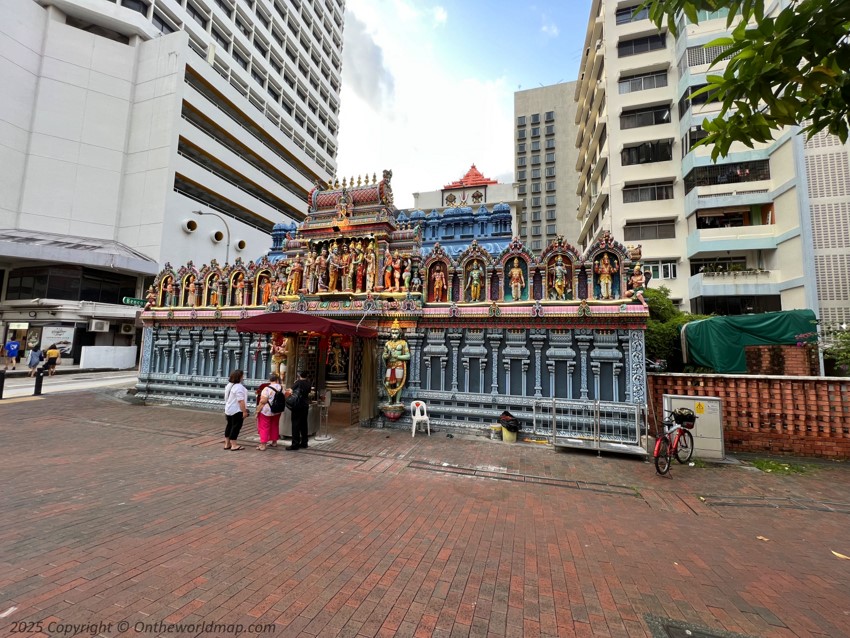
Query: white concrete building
x=545, y=164
x=726, y=238
x=120, y=119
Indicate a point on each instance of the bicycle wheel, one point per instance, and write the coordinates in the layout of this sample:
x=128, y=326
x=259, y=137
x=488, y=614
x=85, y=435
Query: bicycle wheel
x=685, y=449
x=662, y=459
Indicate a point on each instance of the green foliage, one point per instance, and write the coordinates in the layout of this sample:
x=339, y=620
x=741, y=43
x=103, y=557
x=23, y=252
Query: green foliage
x=790, y=68
x=839, y=350
x=663, y=327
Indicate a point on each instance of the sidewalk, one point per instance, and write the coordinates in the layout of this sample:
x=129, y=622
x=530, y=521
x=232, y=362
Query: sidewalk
x=116, y=513
x=21, y=370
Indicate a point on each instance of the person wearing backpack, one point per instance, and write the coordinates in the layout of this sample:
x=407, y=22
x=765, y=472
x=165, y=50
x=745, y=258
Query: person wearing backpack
x=298, y=400
x=272, y=404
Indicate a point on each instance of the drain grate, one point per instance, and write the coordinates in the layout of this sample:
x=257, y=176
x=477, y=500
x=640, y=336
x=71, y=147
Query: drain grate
x=784, y=503
x=668, y=628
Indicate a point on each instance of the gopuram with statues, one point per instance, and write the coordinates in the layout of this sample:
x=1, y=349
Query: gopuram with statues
x=365, y=298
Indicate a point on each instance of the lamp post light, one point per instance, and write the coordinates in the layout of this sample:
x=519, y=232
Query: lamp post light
x=226, y=227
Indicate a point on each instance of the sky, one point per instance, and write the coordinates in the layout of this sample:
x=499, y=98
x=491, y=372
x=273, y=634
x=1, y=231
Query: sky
x=428, y=87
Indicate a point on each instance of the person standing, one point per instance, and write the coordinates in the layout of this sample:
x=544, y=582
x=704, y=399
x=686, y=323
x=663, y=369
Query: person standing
x=268, y=422
x=35, y=356
x=52, y=355
x=11, y=349
x=235, y=409
x=301, y=386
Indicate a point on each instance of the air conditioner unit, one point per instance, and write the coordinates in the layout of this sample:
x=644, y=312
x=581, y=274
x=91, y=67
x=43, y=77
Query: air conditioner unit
x=127, y=329
x=98, y=325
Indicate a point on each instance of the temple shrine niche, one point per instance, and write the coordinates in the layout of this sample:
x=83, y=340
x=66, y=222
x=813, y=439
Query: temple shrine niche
x=472, y=326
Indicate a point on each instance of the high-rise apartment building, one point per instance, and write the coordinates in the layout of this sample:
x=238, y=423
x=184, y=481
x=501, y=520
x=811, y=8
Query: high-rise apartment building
x=121, y=119
x=727, y=238
x=545, y=164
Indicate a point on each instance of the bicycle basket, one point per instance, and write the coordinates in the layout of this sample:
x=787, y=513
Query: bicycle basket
x=684, y=417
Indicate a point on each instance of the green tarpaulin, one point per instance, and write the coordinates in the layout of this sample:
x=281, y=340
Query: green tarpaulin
x=718, y=343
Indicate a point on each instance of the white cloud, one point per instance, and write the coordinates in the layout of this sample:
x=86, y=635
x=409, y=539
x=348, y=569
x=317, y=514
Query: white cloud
x=550, y=29
x=437, y=122
x=440, y=15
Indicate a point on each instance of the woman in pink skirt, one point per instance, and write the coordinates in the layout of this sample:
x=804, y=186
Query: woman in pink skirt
x=268, y=423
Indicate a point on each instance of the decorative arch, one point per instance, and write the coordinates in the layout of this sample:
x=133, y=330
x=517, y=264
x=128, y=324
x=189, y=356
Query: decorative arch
x=607, y=265
x=211, y=277
x=474, y=265
x=437, y=261
x=515, y=257
x=559, y=264
x=237, y=279
x=167, y=287
x=189, y=286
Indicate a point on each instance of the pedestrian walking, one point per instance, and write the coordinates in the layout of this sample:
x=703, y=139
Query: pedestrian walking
x=268, y=420
x=52, y=355
x=235, y=409
x=300, y=409
x=11, y=350
x=35, y=357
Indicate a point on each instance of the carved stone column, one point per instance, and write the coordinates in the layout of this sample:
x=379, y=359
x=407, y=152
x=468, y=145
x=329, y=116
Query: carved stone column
x=596, y=368
x=147, y=352
x=195, y=340
x=454, y=340
x=245, y=346
x=637, y=372
x=218, y=334
x=584, y=338
x=414, y=342
x=538, y=339
x=172, y=350
x=495, y=337
x=427, y=384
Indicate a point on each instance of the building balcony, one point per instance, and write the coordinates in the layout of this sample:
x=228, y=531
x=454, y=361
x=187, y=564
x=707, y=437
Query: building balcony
x=714, y=240
x=728, y=195
x=746, y=282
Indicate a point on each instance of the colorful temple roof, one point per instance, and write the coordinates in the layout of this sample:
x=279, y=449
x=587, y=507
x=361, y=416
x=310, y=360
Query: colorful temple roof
x=473, y=177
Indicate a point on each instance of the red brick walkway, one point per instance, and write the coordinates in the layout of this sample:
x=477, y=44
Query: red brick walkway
x=118, y=513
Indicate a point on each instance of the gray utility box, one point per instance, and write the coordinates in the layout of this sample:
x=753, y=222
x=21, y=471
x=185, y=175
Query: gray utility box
x=708, y=431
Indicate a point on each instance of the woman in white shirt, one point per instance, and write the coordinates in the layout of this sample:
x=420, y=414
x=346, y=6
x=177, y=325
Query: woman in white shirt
x=268, y=422
x=235, y=409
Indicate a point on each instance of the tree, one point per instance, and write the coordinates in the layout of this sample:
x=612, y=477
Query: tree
x=838, y=350
x=791, y=68
x=663, y=327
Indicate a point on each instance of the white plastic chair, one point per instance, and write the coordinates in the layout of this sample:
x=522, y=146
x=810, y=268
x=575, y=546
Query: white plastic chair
x=420, y=416
x=324, y=408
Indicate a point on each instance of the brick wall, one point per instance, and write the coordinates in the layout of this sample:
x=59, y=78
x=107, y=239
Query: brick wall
x=800, y=416
x=795, y=361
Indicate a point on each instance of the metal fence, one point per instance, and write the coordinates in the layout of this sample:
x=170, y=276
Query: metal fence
x=580, y=423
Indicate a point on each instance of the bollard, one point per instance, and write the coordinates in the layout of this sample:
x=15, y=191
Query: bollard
x=39, y=379
x=2, y=382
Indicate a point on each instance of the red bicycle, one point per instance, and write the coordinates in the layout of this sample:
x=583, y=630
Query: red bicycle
x=675, y=439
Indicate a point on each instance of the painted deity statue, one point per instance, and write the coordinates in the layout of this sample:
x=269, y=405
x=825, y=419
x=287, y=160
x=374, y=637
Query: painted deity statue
x=370, y=267
x=334, y=266
x=347, y=272
x=406, y=275
x=239, y=289
x=310, y=272
x=322, y=271
x=168, y=291
x=473, y=284
x=278, y=352
x=358, y=268
x=296, y=272
x=150, y=298
x=517, y=280
x=606, y=269
x=212, y=288
x=266, y=288
x=396, y=356
x=388, y=270
x=416, y=281
x=278, y=287
x=398, y=265
x=638, y=283
x=559, y=279
x=191, y=292
x=438, y=284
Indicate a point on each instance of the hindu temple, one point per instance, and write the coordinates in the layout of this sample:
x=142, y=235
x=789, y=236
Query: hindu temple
x=383, y=306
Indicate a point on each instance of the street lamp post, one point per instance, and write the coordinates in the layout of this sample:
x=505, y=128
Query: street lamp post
x=226, y=227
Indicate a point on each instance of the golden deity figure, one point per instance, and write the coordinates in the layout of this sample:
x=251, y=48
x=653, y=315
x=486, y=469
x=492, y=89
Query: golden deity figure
x=278, y=352
x=371, y=261
x=334, y=266
x=517, y=280
x=396, y=355
x=191, y=292
x=438, y=284
x=559, y=279
x=473, y=284
x=606, y=270
x=296, y=272
x=266, y=288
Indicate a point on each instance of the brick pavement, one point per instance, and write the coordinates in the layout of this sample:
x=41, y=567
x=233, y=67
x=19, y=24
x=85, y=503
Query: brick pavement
x=114, y=512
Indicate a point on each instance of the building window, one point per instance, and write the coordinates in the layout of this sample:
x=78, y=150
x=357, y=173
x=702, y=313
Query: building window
x=520, y=175
x=645, y=117
x=520, y=148
x=520, y=161
x=240, y=60
x=550, y=200
x=535, y=216
x=535, y=119
x=162, y=24
x=535, y=159
x=536, y=244
x=647, y=192
x=550, y=186
x=551, y=214
x=550, y=116
x=520, y=121
x=662, y=269
x=641, y=45
x=550, y=129
x=535, y=173
x=550, y=171
x=219, y=38
x=648, y=153
x=695, y=134
x=535, y=187
x=629, y=14
x=225, y=7
x=639, y=231
x=643, y=82
x=714, y=174
x=520, y=134
x=550, y=144
x=535, y=202
x=550, y=157
x=196, y=15
x=535, y=131
x=136, y=5
x=535, y=145
x=550, y=229
x=535, y=230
